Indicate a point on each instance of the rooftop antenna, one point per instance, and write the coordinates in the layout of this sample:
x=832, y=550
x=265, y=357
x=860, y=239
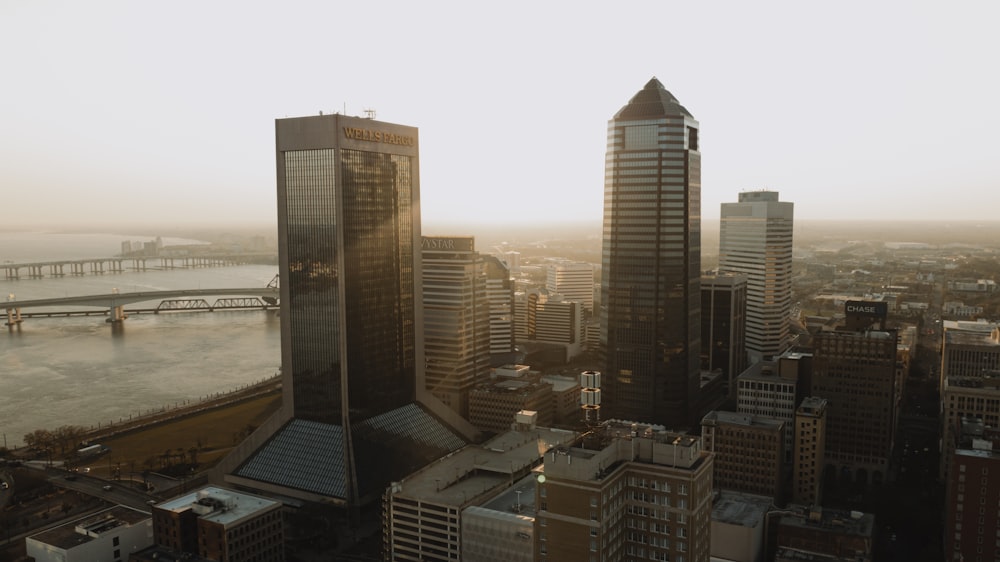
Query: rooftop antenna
x=369, y=114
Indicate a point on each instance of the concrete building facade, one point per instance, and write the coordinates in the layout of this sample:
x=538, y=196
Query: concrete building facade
x=107, y=536
x=632, y=493
x=755, y=240
x=810, y=445
x=749, y=453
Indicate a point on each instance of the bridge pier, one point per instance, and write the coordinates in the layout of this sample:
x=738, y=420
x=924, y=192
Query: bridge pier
x=56, y=270
x=35, y=272
x=139, y=264
x=117, y=315
x=13, y=316
x=97, y=267
x=76, y=268
x=12, y=272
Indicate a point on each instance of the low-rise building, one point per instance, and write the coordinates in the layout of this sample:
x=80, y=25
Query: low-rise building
x=107, y=536
x=220, y=524
x=738, y=525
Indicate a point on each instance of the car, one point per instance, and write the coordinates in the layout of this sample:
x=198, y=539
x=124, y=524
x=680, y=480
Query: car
x=106, y=487
x=70, y=477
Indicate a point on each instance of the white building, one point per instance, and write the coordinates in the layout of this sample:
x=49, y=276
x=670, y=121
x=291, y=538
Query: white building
x=108, y=536
x=572, y=280
x=756, y=240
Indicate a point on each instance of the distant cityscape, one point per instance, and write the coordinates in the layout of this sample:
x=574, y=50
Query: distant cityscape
x=657, y=392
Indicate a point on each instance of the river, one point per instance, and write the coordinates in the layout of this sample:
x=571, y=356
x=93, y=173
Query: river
x=79, y=371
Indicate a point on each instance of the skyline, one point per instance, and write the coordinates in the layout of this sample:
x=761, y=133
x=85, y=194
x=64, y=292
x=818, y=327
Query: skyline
x=127, y=114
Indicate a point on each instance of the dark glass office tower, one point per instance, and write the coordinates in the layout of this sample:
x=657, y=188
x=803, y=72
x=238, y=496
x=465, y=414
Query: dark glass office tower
x=351, y=349
x=650, y=280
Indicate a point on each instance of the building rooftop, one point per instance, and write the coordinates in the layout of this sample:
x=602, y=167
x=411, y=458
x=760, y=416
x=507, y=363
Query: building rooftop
x=832, y=520
x=561, y=383
x=518, y=499
x=716, y=417
x=219, y=505
x=745, y=510
x=652, y=101
x=91, y=528
x=477, y=470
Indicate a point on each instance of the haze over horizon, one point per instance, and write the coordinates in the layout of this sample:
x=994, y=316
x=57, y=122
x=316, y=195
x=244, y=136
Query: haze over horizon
x=120, y=113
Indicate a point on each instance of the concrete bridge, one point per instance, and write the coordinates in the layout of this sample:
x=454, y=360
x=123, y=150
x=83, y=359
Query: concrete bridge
x=100, y=266
x=113, y=304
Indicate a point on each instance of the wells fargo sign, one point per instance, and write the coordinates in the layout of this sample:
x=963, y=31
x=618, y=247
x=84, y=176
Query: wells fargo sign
x=372, y=135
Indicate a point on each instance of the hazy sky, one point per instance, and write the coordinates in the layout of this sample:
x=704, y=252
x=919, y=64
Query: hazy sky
x=163, y=112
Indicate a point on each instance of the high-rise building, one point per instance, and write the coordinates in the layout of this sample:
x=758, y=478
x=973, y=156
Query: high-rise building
x=456, y=319
x=500, y=294
x=651, y=262
x=756, y=240
x=632, y=493
x=810, y=443
x=572, y=280
x=856, y=373
x=352, y=353
x=723, y=325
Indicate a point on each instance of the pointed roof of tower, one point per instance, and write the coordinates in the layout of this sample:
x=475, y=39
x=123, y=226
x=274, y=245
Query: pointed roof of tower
x=652, y=101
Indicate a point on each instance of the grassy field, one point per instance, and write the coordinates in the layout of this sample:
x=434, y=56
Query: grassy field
x=207, y=436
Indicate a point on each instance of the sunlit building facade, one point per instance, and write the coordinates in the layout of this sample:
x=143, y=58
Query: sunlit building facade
x=651, y=263
x=756, y=240
x=351, y=344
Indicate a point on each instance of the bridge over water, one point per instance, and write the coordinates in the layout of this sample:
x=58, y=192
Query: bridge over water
x=100, y=266
x=113, y=304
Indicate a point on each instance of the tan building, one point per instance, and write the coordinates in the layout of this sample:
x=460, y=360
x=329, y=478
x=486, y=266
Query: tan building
x=220, y=524
x=425, y=514
x=749, y=453
x=970, y=382
x=810, y=444
x=565, y=398
x=629, y=492
x=493, y=404
x=738, y=522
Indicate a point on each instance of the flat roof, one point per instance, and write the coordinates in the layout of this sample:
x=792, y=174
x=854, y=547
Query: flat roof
x=510, y=501
x=219, y=505
x=75, y=533
x=745, y=510
x=461, y=477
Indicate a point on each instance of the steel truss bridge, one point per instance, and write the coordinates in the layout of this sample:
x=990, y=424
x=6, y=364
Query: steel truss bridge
x=113, y=304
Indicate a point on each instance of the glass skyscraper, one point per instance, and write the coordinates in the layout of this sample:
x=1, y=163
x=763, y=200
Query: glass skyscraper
x=651, y=265
x=355, y=417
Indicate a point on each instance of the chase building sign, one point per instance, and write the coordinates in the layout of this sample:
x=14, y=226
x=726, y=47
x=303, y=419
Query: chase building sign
x=866, y=308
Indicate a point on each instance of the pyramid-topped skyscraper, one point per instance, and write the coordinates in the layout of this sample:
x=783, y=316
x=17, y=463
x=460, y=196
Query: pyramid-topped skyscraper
x=651, y=265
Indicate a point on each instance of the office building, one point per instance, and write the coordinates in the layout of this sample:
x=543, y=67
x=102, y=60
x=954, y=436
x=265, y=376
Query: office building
x=971, y=518
x=352, y=347
x=770, y=389
x=749, y=453
x=808, y=461
x=970, y=384
x=856, y=373
x=723, y=325
x=476, y=504
x=558, y=320
x=456, y=319
x=110, y=535
x=651, y=262
x=500, y=295
x=573, y=280
x=220, y=524
x=631, y=492
x=755, y=239
x=494, y=403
